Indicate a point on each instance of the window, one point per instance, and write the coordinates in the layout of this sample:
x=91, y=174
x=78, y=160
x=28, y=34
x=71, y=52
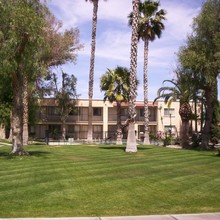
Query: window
x=124, y=112
x=169, y=128
x=55, y=128
x=97, y=131
x=142, y=112
x=71, y=128
x=97, y=128
x=97, y=111
x=169, y=112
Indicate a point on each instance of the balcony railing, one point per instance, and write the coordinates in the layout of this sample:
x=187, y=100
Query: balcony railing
x=113, y=117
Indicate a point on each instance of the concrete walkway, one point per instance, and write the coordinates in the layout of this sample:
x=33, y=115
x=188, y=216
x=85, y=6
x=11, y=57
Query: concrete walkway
x=208, y=216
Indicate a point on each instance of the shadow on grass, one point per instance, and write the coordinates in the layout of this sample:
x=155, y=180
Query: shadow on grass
x=8, y=155
x=205, y=152
x=38, y=153
x=5, y=154
x=38, y=144
x=113, y=148
x=122, y=148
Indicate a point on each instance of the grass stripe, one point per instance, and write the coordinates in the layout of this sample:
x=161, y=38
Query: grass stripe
x=103, y=180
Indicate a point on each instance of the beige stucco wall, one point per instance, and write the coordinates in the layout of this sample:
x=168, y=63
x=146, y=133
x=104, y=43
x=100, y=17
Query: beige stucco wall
x=174, y=120
x=158, y=120
x=166, y=120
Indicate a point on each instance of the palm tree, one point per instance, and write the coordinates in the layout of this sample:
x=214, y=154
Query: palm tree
x=131, y=140
x=115, y=83
x=180, y=91
x=150, y=26
x=92, y=63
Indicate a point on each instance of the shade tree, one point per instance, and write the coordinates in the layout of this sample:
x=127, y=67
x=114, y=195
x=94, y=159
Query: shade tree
x=22, y=41
x=201, y=55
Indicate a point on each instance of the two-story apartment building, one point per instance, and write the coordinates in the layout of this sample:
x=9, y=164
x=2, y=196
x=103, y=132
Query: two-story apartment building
x=104, y=120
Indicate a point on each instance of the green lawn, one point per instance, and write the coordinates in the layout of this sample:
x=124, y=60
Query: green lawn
x=103, y=180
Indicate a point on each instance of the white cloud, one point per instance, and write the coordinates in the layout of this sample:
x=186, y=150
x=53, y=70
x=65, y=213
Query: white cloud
x=179, y=19
x=78, y=12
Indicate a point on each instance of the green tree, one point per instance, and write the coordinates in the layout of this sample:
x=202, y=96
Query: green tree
x=215, y=129
x=92, y=64
x=63, y=45
x=21, y=28
x=150, y=26
x=179, y=91
x=66, y=97
x=115, y=84
x=62, y=48
x=5, y=102
x=131, y=140
x=202, y=57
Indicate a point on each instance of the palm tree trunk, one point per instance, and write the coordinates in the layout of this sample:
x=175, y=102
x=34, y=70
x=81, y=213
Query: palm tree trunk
x=91, y=74
x=185, y=113
x=119, y=130
x=146, y=110
x=185, y=134
x=25, y=110
x=131, y=141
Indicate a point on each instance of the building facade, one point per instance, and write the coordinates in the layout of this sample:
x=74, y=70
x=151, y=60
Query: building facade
x=161, y=118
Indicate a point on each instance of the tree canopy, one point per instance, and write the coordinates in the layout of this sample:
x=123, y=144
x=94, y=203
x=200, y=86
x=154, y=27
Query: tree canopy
x=30, y=42
x=200, y=60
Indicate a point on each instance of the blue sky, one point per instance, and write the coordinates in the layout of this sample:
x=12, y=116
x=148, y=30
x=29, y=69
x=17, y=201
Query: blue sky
x=114, y=36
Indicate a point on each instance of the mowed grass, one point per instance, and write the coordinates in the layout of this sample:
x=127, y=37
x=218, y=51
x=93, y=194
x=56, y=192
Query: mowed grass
x=103, y=180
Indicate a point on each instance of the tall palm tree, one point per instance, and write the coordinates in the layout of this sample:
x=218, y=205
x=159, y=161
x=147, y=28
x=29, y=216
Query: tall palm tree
x=150, y=26
x=92, y=63
x=131, y=140
x=115, y=83
x=179, y=91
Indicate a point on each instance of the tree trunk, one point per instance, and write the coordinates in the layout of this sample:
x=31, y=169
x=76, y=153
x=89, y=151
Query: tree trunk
x=202, y=115
x=196, y=119
x=89, y=134
x=91, y=74
x=10, y=132
x=119, y=130
x=25, y=110
x=132, y=146
x=185, y=113
x=185, y=134
x=17, y=116
x=2, y=131
x=146, y=110
x=64, y=130
x=208, y=119
x=131, y=140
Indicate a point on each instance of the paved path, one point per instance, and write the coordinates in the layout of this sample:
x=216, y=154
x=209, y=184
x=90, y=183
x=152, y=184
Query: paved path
x=208, y=216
